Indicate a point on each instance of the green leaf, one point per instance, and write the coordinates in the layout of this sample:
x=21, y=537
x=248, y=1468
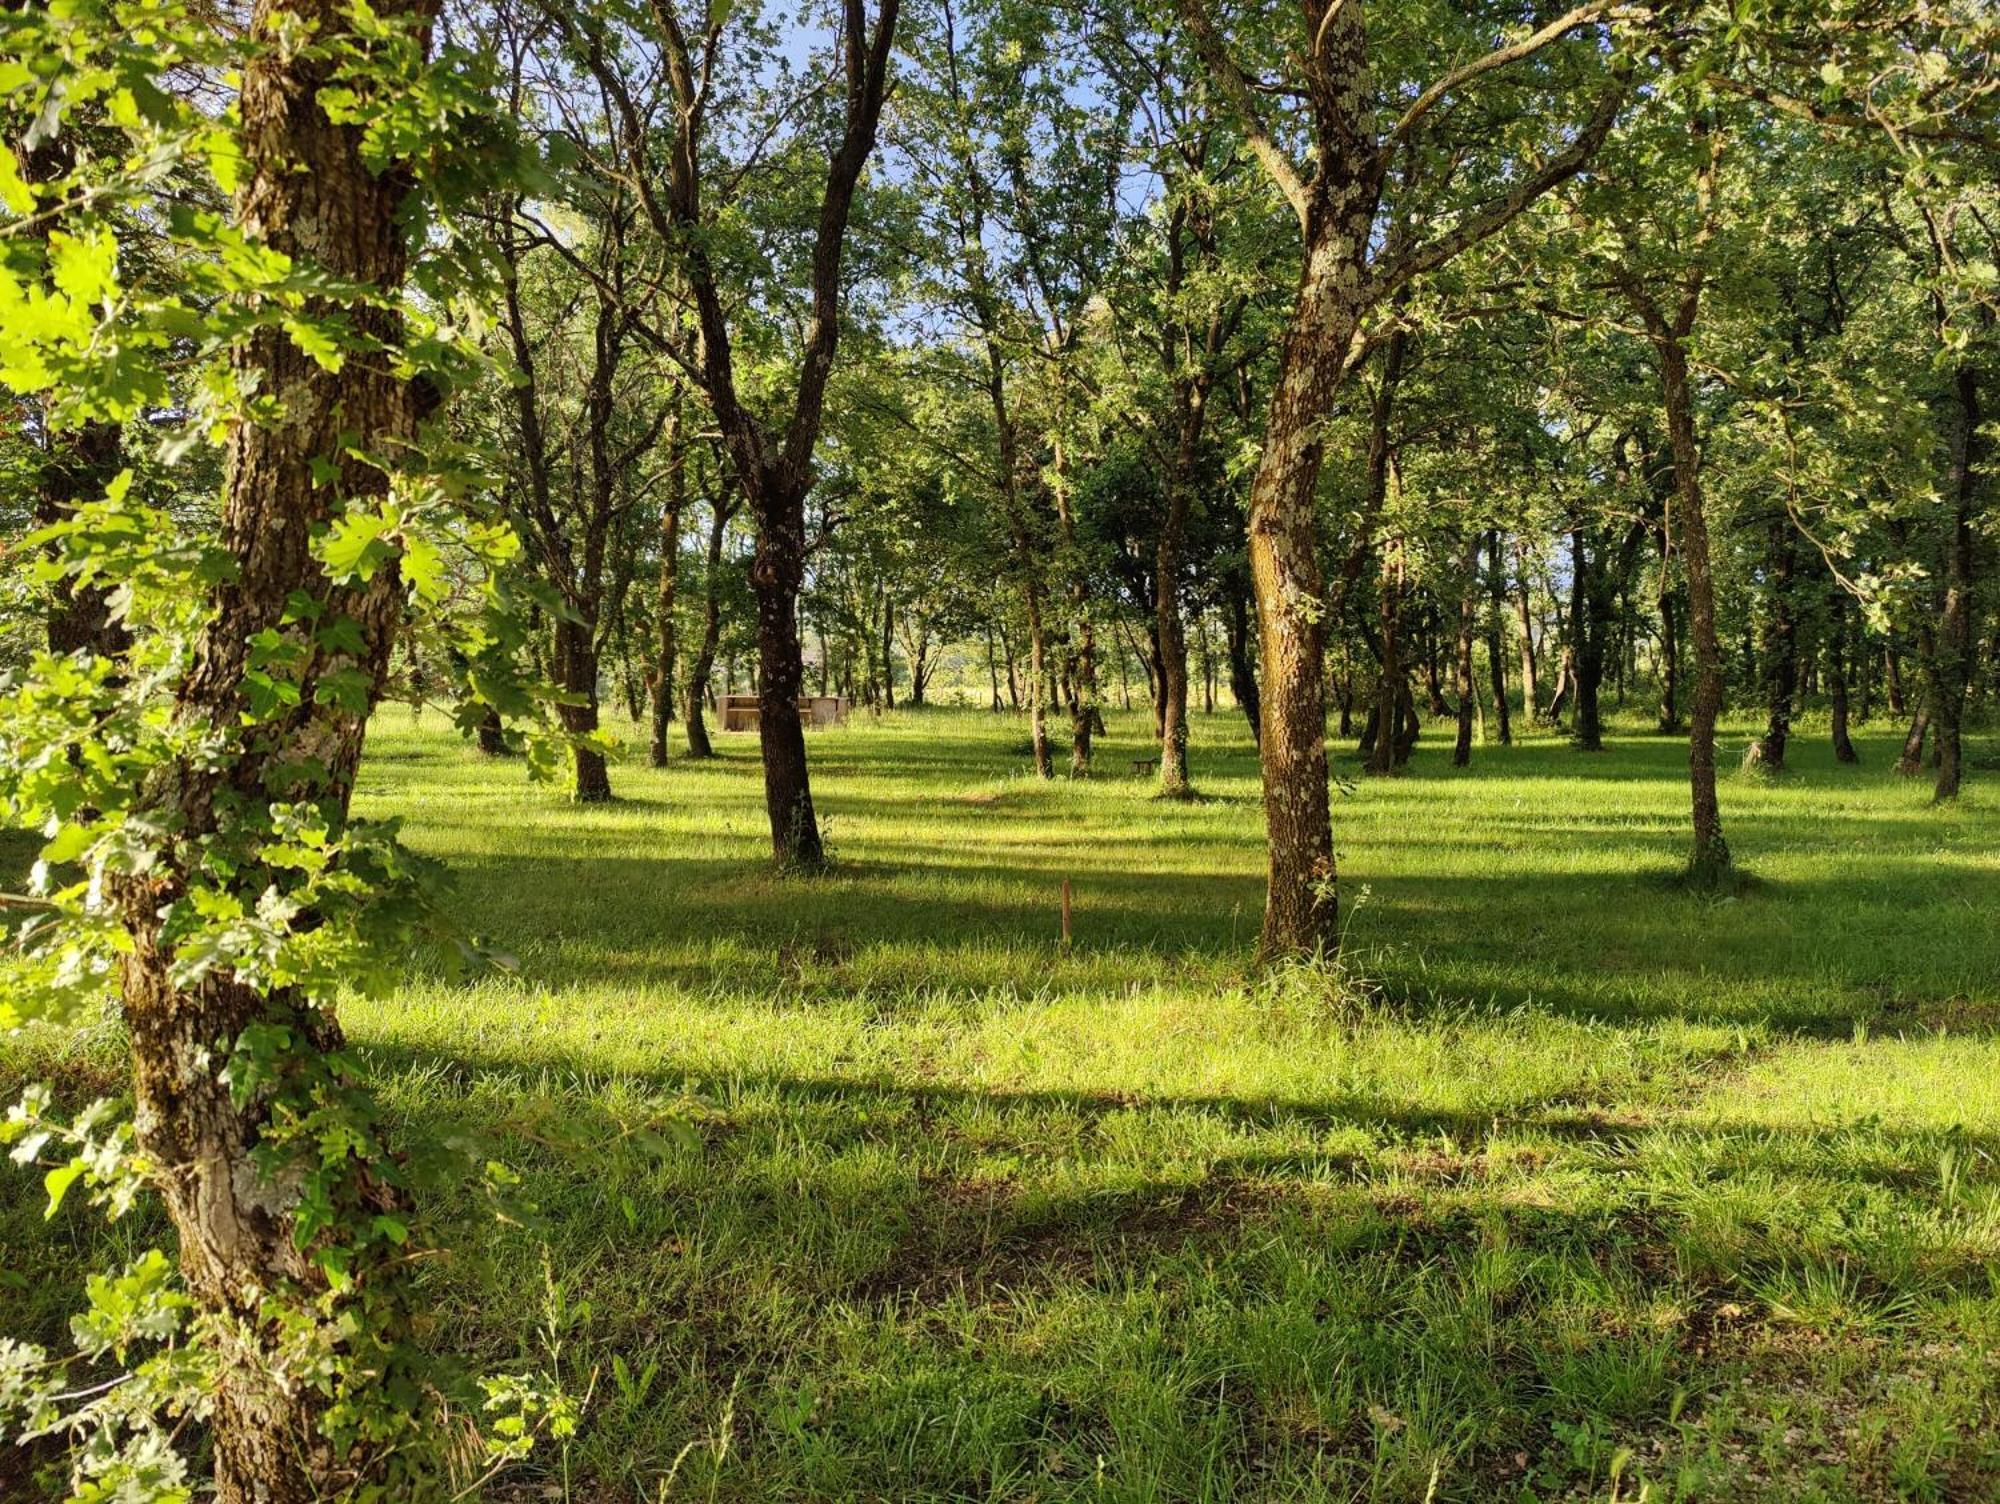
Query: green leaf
x=14, y=190
x=68, y=843
x=354, y=547
x=85, y=267
x=314, y=340
x=58, y=1181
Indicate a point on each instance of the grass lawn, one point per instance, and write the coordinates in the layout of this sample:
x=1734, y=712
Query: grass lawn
x=1593, y=1188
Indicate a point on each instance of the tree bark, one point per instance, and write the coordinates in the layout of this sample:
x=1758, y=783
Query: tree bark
x=1172, y=637
x=1339, y=281
x=1587, y=629
x=1670, y=651
x=1468, y=618
x=1038, y=694
x=307, y=195
x=1781, y=653
x=1531, y=698
x=493, y=734
x=1951, y=663
x=703, y=667
x=777, y=570
x=576, y=670
x=1390, y=683
x=1242, y=673
x=1836, y=677
x=888, y=650
x=1911, y=762
x=667, y=644
x=1710, y=862
x=1496, y=658
x=75, y=468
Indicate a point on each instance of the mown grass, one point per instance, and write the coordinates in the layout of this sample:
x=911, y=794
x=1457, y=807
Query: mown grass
x=1572, y=1186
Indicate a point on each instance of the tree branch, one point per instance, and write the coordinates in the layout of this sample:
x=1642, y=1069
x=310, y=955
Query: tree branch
x=1243, y=103
x=1496, y=214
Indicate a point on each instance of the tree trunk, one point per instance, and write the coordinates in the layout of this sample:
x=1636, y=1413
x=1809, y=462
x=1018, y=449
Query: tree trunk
x=1468, y=618
x=1670, y=656
x=666, y=647
x=76, y=468
x=1084, y=715
x=1911, y=762
x=1496, y=658
x=992, y=669
x=888, y=651
x=1390, y=683
x=1587, y=629
x=1531, y=698
x=492, y=734
x=1090, y=716
x=703, y=667
x=1172, y=637
x=1951, y=664
x=1836, y=677
x=1892, y=681
x=1038, y=695
x=776, y=572
x=1781, y=654
x=576, y=670
x=308, y=196
x=1709, y=862
x=1433, y=678
x=1409, y=729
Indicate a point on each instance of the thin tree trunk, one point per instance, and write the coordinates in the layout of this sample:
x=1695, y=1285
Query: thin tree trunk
x=493, y=734
x=1531, y=699
x=992, y=668
x=1038, y=725
x=1710, y=861
x=1496, y=658
x=1014, y=672
x=1433, y=678
x=888, y=651
x=703, y=667
x=1951, y=664
x=1836, y=677
x=1781, y=654
x=1587, y=632
x=1172, y=636
x=1670, y=654
x=666, y=646
x=1468, y=619
x=1390, y=683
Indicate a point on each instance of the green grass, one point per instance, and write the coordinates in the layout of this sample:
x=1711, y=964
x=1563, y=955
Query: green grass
x=1577, y=1186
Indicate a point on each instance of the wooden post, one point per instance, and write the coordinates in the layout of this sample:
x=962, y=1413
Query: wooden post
x=1065, y=913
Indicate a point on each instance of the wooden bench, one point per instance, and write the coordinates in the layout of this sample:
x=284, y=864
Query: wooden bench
x=1145, y=765
x=742, y=712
